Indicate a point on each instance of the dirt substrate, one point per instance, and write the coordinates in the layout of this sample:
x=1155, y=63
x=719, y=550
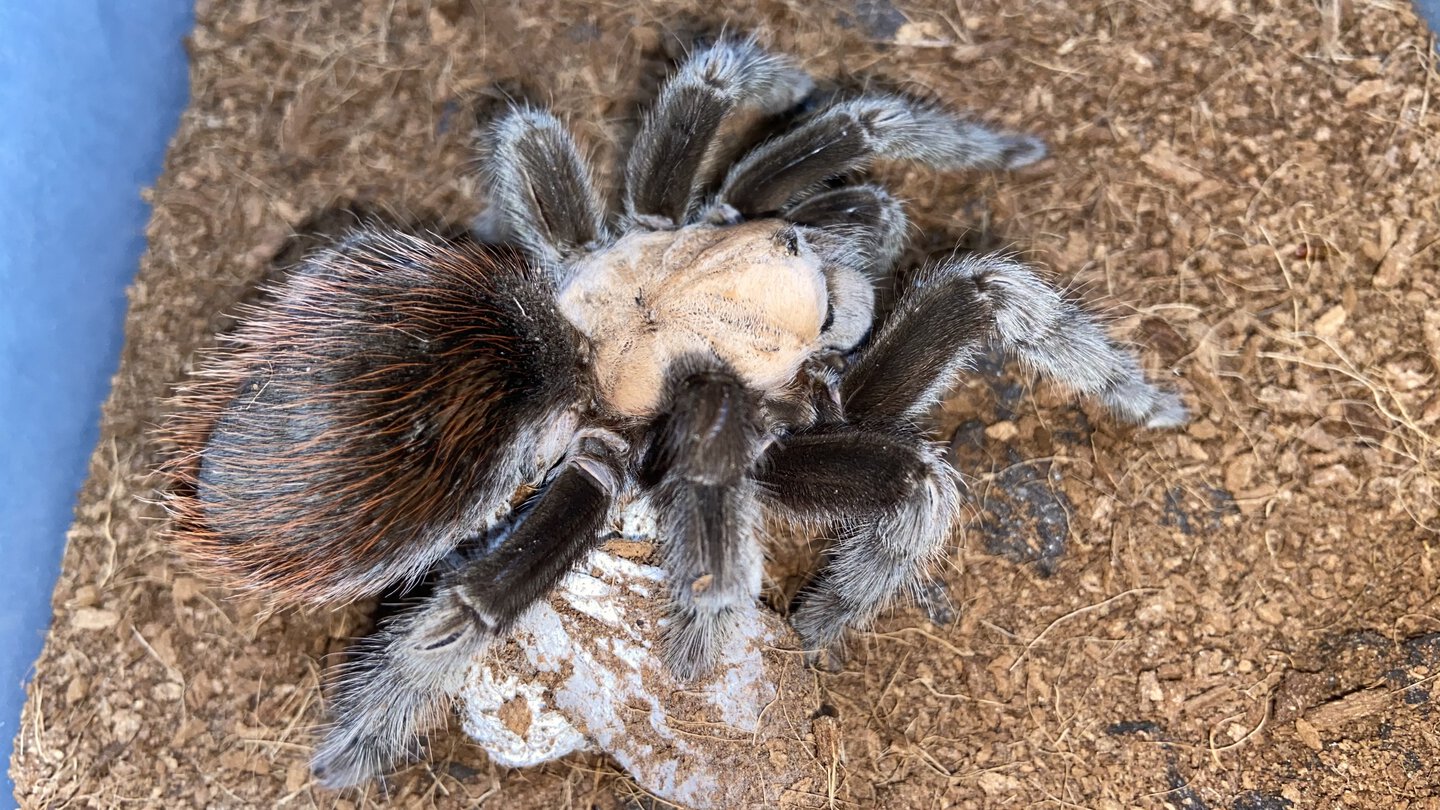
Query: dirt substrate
x=1242, y=614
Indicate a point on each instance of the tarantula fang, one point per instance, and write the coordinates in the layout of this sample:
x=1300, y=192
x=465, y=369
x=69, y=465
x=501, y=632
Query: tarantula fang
x=713, y=348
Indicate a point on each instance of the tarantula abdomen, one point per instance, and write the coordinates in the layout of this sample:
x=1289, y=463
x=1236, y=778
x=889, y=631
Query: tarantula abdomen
x=367, y=415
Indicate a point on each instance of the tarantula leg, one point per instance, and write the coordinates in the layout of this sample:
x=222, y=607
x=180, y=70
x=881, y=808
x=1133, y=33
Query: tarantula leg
x=892, y=502
x=393, y=687
x=848, y=136
x=859, y=232
x=935, y=332
x=876, y=220
x=399, y=680
x=840, y=474
x=941, y=323
x=663, y=171
x=540, y=188
x=880, y=548
x=556, y=529
x=707, y=506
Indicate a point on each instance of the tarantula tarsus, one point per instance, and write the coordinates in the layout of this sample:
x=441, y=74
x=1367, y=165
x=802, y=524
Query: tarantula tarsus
x=713, y=349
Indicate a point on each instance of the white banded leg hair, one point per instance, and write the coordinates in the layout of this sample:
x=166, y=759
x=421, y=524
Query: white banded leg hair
x=398, y=682
x=883, y=489
x=703, y=449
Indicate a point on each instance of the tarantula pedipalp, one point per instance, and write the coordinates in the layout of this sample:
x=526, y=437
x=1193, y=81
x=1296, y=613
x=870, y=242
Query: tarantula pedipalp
x=713, y=350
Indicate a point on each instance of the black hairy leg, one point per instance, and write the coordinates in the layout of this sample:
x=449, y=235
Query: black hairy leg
x=860, y=232
x=540, y=189
x=663, y=172
x=888, y=500
x=839, y=473
x=398, y=682
x=868, y=212
x=847, y=136
x=942, y=322
x=933, y=335
x=697, y=468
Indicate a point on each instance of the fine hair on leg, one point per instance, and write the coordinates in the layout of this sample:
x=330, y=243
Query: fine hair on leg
x=934, y=332
x=879, y=553
x=399, y=680
x=662, y=174
x=394, y=685
x=1054, y=336
x=875, y=219
x=942, y=321
x=847, y=136
x=698, y=466
x=541, y=193
x=840, y=473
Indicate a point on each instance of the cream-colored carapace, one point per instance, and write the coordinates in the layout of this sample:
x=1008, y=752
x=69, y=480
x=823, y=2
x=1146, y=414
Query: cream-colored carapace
x=754, y=295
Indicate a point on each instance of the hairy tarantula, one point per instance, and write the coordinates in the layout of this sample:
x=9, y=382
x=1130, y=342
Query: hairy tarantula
x=713, y=349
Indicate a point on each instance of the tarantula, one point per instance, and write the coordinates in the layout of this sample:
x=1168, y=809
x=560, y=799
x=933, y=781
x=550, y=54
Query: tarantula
x=712, y=349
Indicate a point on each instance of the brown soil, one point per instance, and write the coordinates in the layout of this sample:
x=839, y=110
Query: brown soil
x=1239, y=615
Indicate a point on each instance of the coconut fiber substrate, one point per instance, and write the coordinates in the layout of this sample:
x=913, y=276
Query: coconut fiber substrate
x=1244, y=613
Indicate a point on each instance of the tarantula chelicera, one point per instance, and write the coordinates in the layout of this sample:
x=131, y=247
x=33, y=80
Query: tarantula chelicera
x=713, y=349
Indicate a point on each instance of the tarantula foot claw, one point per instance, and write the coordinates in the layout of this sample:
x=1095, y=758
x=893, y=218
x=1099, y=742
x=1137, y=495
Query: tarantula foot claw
x=1022, y=150
x=348, y=760
x=1169, y=412
x=829, y=659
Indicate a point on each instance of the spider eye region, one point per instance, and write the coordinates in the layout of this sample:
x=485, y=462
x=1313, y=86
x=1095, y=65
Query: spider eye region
x=753, y=295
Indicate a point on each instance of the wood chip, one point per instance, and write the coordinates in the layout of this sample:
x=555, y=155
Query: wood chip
x=1002, y=431
x=1398, y=258
x=1308, y=734
x=1168, y=165
x=630, y=549
x=1335, y=714
x=94, y=618
x=1364, y=93
x=1329, y=323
